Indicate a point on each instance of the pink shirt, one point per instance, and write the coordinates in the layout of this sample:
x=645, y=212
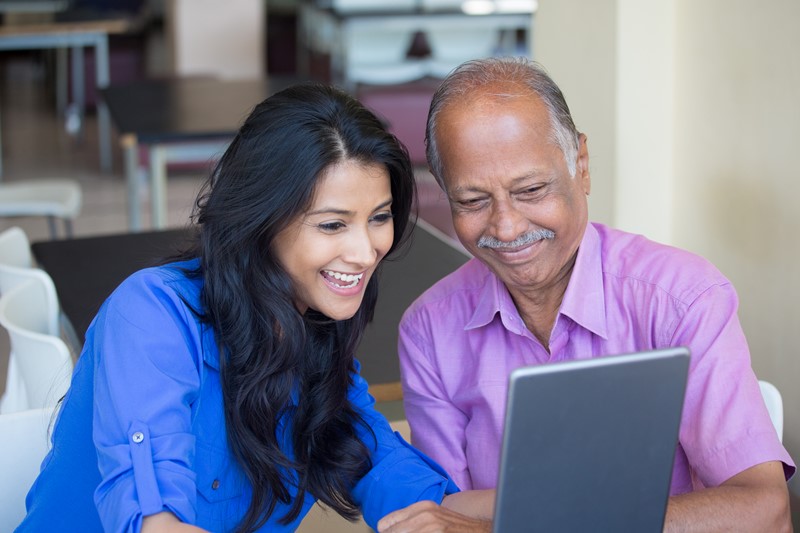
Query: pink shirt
x=460, y=340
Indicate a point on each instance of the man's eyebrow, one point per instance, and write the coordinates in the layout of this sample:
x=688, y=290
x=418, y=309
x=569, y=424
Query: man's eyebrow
x=343, y=212
x=533, y=174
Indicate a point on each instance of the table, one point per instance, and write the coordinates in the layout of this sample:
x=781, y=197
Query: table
x=178, y=120
x=86, y=270
x=74, y=33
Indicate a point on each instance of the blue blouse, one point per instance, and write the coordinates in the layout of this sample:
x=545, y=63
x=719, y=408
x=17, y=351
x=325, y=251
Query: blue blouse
x=142, y=428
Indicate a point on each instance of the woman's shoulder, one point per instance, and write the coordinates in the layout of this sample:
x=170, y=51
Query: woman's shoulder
x=175, y=284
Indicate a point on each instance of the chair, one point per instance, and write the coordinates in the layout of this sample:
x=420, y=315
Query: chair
x=453, y=44
x=377, y=55
x=16, y=267
x=23, y=446
x=49, y=198
x=774, y=402
x=15, y=250
x=42, y=359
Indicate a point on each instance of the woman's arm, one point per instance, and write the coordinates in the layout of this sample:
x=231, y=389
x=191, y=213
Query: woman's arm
x=167, y=522
x=144, y=346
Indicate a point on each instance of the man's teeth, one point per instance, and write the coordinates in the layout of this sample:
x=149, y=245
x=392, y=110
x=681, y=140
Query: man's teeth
x=351, y=279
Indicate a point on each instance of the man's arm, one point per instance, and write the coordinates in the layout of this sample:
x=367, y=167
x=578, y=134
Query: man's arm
x=438, y=428
x=465, y=512
x=756, y=499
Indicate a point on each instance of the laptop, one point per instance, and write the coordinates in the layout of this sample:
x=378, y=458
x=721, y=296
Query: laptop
x=589, y=444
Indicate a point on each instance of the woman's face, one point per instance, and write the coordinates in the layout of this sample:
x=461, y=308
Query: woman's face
x=331, y=250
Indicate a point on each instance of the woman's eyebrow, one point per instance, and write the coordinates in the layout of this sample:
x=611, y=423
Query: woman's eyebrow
x=343, y=212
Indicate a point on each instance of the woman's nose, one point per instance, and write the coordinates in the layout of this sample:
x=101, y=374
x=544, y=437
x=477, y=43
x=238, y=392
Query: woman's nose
x=361, y=250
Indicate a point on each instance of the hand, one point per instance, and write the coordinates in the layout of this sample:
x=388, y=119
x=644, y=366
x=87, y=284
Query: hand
x=427, y=517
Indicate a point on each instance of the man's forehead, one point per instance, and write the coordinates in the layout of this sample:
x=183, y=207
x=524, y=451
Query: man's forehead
x=497, y=93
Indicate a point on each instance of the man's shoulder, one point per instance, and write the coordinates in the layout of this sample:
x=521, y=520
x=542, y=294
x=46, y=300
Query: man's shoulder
x=629, y=256
x=457, y=290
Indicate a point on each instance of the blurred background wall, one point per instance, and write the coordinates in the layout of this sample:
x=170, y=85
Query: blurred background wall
x=693, y=119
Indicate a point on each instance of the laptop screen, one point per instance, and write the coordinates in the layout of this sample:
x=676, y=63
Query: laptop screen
x=589, y=445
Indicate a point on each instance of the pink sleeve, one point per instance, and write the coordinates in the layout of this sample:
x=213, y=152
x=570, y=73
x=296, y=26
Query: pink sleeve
x=725, y=427
x=437, y=425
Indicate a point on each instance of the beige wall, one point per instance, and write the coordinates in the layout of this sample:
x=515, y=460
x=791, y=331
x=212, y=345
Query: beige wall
x=222, y=39
x=699, y=104
x=588, y=81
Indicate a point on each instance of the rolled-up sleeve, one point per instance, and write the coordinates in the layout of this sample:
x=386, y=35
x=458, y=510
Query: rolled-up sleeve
x=147, y=357
x=400, y=474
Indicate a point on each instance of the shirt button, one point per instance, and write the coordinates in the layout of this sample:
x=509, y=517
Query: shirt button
x=138, y=437
x=215, y=484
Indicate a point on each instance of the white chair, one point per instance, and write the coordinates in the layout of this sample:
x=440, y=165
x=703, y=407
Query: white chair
x=377, y=55
x=16, y=267
x=23, y=445
x=774, y=402
x=15, y=249
x=55, y=198
x=42, y=359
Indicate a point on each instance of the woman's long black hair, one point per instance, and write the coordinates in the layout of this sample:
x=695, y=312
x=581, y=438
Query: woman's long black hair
x=271, y=353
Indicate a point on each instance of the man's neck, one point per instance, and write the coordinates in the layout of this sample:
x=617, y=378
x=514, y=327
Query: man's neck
x=538, y=306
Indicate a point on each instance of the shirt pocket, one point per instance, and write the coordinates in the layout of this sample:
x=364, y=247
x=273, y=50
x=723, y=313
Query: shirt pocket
x=222, y=498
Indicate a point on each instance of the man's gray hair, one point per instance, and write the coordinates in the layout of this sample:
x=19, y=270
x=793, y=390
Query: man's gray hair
x=479, y=73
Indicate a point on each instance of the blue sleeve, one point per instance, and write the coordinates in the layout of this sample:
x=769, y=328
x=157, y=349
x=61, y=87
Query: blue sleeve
x=400, y=474
x=147, y=354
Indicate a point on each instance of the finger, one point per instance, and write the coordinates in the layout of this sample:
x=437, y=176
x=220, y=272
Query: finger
x=402, y=515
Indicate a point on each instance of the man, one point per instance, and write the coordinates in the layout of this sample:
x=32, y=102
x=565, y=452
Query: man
x=545, y=285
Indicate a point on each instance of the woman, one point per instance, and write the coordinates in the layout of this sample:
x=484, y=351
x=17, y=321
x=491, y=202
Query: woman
x=221, y=390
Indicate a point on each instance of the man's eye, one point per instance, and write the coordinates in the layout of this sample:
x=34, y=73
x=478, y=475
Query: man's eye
x=531, y=192
x=470, y=203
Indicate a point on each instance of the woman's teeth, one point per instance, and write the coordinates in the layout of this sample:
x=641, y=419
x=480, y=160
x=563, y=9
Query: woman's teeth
x=351, y=279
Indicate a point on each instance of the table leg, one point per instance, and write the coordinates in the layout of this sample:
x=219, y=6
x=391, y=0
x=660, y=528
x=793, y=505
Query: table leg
x=1, y=154
x=61, y=80
x=158, y=186
x=130, y=147
x=77, y=110
x=103, y=78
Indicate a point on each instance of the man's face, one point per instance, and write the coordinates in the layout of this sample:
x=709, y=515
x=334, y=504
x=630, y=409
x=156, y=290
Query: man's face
x=514, y=204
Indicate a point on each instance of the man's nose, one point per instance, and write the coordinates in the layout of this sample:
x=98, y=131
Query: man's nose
x=506, y=223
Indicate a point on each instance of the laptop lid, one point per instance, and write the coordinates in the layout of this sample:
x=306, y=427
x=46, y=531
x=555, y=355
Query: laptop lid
x=589, y=444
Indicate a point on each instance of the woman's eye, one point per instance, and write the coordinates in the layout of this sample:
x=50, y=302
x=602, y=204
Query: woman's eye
x=380, y=218
x=330, y=227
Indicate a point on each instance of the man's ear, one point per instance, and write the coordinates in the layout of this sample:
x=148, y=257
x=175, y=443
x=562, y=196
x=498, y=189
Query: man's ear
x=582, y=164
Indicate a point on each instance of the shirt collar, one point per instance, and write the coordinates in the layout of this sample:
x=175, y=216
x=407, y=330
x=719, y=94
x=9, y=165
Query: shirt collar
x=488, y=297
x=584, y=299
